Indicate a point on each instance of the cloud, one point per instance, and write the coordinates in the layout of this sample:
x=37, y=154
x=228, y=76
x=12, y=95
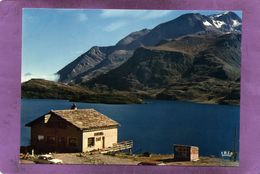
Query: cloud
x=121, y=13
x=141, y=14
x=115, y=26
x=82, y=17
x=29, y=76
x=156, y=14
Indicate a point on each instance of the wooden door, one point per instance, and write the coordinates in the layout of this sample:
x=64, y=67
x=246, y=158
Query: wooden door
x=103, y=142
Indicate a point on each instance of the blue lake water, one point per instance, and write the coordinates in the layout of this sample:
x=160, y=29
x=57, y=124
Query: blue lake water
x=156, y=126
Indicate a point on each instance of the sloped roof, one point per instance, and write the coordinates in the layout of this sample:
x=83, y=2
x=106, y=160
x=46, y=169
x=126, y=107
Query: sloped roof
x=83, y=118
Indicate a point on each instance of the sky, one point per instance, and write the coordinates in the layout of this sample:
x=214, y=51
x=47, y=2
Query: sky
x=52, y=38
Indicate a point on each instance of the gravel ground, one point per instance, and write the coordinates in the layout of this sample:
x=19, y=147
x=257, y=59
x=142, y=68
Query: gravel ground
x=122, y=159
x=75, y=158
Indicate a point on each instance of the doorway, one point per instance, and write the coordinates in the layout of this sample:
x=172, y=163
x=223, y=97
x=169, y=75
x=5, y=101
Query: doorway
x=103, y=142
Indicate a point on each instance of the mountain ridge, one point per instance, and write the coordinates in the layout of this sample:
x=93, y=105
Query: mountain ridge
x=104, y=59
x=170, y=73
x=152, y=58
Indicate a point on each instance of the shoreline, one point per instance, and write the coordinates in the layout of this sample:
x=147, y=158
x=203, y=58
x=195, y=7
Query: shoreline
x=140, y=101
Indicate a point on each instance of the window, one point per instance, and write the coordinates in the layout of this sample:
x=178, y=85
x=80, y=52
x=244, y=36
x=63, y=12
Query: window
x=50, y=140
x=40, y=137
x=72, y=142
x=98, y=139
x=91, y=142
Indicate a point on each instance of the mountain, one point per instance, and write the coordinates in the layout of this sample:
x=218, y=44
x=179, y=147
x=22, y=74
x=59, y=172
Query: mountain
x=184, y=68
x=191, y=23
x=99, y=60
x=227, y=21
x=131, y=41
x=83, y=63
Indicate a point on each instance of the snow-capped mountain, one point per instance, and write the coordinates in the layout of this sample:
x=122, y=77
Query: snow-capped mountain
x=227, y=22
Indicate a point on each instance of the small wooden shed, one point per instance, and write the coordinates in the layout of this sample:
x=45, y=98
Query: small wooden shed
x=186, y=153
x=73, y=130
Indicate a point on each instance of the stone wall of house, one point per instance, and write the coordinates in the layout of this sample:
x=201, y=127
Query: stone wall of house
x=98, y=139
x=56, y=135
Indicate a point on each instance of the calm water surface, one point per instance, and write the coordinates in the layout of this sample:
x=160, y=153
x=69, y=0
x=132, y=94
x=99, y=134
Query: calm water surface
x=157, y=125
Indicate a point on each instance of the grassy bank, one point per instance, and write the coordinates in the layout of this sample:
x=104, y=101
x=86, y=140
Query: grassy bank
x=44, y=89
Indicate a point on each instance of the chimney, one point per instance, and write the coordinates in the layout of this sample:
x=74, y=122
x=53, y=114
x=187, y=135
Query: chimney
x=73, y=107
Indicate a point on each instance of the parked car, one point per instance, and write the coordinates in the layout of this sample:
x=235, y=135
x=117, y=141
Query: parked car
x=47, y=159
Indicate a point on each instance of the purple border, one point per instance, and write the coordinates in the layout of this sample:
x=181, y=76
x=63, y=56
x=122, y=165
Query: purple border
x=10, y=61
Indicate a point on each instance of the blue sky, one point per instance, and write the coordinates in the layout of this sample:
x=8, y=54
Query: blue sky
x=52, y=38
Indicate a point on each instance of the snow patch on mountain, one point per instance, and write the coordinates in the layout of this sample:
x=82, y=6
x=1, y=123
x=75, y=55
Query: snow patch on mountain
x=236, y=23
x=218, y=23
x=206, y=23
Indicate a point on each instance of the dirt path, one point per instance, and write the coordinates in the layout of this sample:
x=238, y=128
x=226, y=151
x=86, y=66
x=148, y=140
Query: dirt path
x=75, y=158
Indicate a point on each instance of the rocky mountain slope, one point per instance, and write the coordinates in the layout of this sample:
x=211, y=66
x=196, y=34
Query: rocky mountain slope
x=99, y=60
x=202, y=66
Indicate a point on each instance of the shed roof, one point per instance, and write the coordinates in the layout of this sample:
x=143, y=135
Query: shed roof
x=82, y=118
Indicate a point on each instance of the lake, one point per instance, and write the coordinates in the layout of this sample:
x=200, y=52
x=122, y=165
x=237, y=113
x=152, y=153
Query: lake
x=157, y=125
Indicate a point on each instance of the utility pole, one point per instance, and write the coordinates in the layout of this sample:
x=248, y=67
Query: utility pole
x=235, y=153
